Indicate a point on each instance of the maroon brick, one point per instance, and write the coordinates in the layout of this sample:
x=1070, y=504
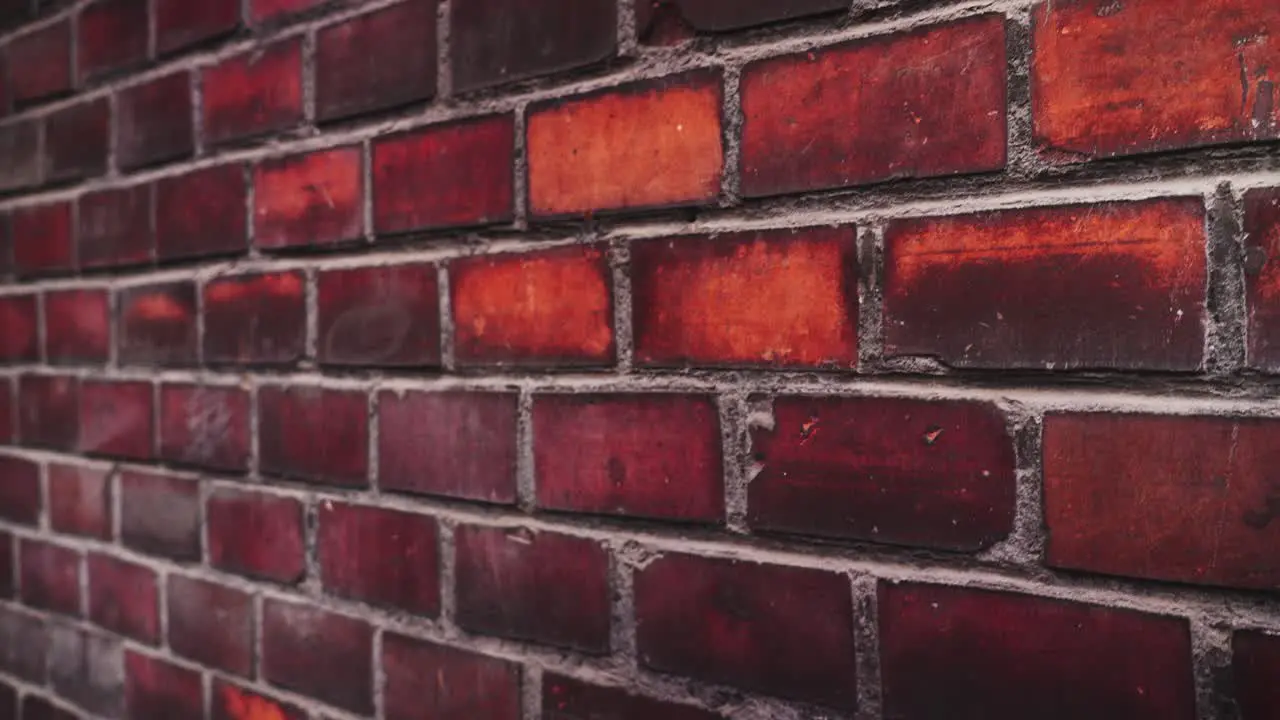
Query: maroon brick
x=116, y=419
x=778, y=630
x=1039, y=658
x=456, y=444
x=80, y=500
x=450, y=175
x=87, y=668
x=1255, y=662
x=158, y=690
x=204, y=425
x=6, y=243
x=24, y=644
x=115, y=227
x=113, y=36
x=181, y=23
x=658, y=20
x=377, y=60
x=253, y=93
x=1262, y=225
x=9, y=709
x=45, y=58
x=256, y=535
x=42, y=239
x=75, y=141
x=158, y=325
x=35, y=707
x=496, y=41
x=231, y=702
x=154, y=121
x=77, y=326
x=543, y=587
x=19, y=142
x=160, y=515
x=273, y=10
x=49, y=411
x=379, y=316
x=202, y=213
x=255, y=319
x=19, y=490
x=644, y=455
x=467, y=685
x=18, y=319
x=564, y=698
x=384, y=557
x=314, y=434
x=8, y=411
x=318, y=653
x=211, y=624
x=309, y=200
x=50, y=576
x=123, y=598
x=8, y=569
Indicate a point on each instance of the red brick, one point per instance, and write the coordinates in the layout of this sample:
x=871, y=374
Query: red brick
x=644, y=455
x=8, y=412
x=19, y=320
x=202, y=213
x=1262, y=239
x=77, y=326
x=254, y=93
x=87, y=668
x=50, y=576
x=451, y=175
x=383, y=557
x=45, y=58
x=115, y=227
x=234, y=703
x=1101, y=81
x=651, y=144
x=776, y=298
x=24, y=644
x=657, y=20
x=42, y=239
x=158, y=690
x=48, y=411
x=564, y=698
x=256, y=535
x=1117, y=285
x=543, y=587
x=905, y=472
x=456, y=444
x=8, y=569
x=870, y=111
x=1255, y=662
x=211, y=624
x=376, y=61
x=123, y=598
x=319, y=654
x=553, y=307
x=467, y=685
x=379, y=316
x=778, y=630
x=113, y=36
x=19, y=491
x=309, y=200
x=496, y=41
x=314, y=434
x=205, y=426
x=76, y=139
x=158, y=325
x=116, y=419
x=160, y=515
x=182, y=23
x=20, y=145
x=1038, y=658
x=154, y=121
x=268, y=10
x=255, y=319
x=1196, y=505
x=6, y=243
x=80, y=500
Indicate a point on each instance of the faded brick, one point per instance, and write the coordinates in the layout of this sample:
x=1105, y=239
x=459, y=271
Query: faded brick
x=160, y=515
x=49, y=576
x=468, y=685
x=205, y=426
x=211, y=624
x=123, y=598
x=88, y=669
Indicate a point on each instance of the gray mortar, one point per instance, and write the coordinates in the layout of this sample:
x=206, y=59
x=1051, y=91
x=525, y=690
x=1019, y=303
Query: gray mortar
x=866, y=634
x=623, y=340
x=1225, y=306
x=870, y=297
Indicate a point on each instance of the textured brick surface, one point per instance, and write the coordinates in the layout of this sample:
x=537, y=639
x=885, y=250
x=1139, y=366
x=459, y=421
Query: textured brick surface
x=273, y=10
x=564, y=698
x=251, y=94
x=158, y=325
x=210, y=623
x=1255, y=661
x=77, y=140
x=115, y=228
x=45, y=56
x=49, y=576
x=1262, y=225
x=380, y=556
x=377, y=61
x=158, y=689
x=77, y=326
x=318, y=653
x=123, y=598
x=20, y=491
x=308, y=200
x=254, y=319
x=19, y=342
x=256, y=534
x=20, y=143
x=48, y=411
x=180, y=24
x=117, y=419
x=160, y=515
x=314, y=434
x=80, y=500
x=42, y=239
x=379, y=316
x=496, y=41
x=153, y=121
x=206, y=426
x=201, y=213
x=468, y=685
x=112, y=36
x=87, y=668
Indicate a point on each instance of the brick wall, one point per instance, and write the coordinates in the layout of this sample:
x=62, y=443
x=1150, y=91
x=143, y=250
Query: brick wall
x=698, y=359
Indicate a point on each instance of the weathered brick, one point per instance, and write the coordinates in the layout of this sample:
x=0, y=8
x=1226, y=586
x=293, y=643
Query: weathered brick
x=1039, y=658
x=651, y=144
x=467, y=685
x=19, y=490
x=376, y=61
x=24, y=644
x=314, y=434
x=456, y=444
x=80, y=500
x=8, y=568
x=269, y=10
x=565, y=698
x=42, y=240
x=159, y=690
x=496, y=41
x=657, y=20
x=154, y=121
x=1262, y=276
x=379, y=316
x=18, y=318
x=318, y=653
x=48, y=411
x=553, y=307
x=779, y=630
x=1117, y=285
x=88, y=669
x=35, y=707
x=450, y=175
x=256, y=535
x=6, y=243
x=113, y=36
x=211, y=624
x=181, y=23
x=253, y=93
x=160, y=515
x=8, y=412
x=76, y=140
x=50, y=576
x=45, y=58
x=538, y=586
x=21, y=149
x=255, y=319
x=309, y=200
x=1255, y=662
x=115, y=227
x=77, y=326
x=776, y=298
x=158, y=325
x=231, y=702
x=123, y=598
x=202, y=213
x=383, y=557
x=116, y=419
x=205, y=426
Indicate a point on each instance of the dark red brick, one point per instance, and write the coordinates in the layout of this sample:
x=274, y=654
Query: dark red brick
x=154, y=121
x=123, y=598
x=1038, y=658
x=496, y=41
x=50, y=576
x=9, y=709
x=8, y=412
x=113, y=36
x=779, y=630
x=870, y=111
x=18, y=329
x=466, y=685
x=158, y=690
x=19, y=490
x=182, y=23
x=1255, y=662
x=205, y=425
x=77, y=326
x=375, y=61
x=1262, y=227
x=651, y=144
x=80, y=500
x=211, y=624
x=158, y=325
x=8, y=568
x=42, y=239
x=456, y=444
x=255, y=319
x=76, y=141
x=314, y=434
x=160, y=515
x=1196, y=505
x=319, y=654
x=657, y=20
x=45, y=58
x=24, y=644
x=451, y=175
x=256, y=535
x=116, y=419
x=270, y=10
x=87, y=668
x=231, y=702
x=49, y=411
x=309, y=200
x=202, y=213
x=383, y=557
x=115, y=227
x=564, y=698
x=6, y=244
x=35, y=707
x=379, y=316
x=19, y=143
x=253, y=93
x=543, y=587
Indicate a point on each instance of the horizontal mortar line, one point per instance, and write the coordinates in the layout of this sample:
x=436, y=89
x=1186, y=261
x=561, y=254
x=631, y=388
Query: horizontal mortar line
x=41, y=23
